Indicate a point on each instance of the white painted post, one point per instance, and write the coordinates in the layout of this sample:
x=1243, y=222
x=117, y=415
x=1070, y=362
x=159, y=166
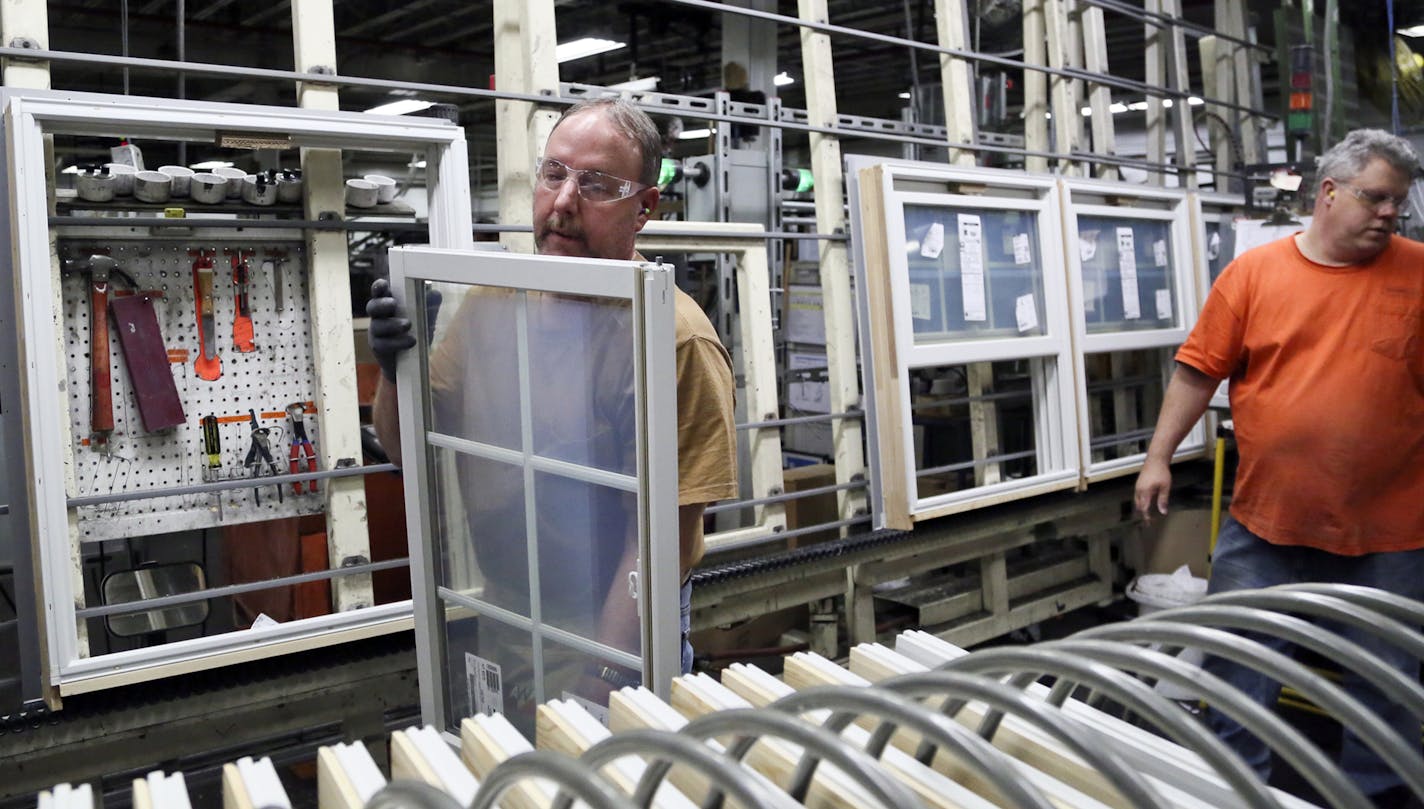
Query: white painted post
x=842, y=375
x=524, y=62
x=329, y=290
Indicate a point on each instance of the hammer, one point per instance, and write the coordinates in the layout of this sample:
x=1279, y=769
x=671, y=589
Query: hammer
x=101, y=389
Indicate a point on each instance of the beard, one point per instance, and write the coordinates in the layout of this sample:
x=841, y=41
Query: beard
x=558, y=225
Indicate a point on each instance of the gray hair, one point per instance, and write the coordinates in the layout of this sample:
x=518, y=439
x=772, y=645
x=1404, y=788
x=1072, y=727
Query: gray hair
x=633, y=124
x=1350, y=156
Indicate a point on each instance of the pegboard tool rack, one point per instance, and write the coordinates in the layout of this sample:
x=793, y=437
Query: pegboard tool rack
x=304, y=354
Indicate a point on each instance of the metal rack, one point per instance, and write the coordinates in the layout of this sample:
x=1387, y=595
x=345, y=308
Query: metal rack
x=926, y=724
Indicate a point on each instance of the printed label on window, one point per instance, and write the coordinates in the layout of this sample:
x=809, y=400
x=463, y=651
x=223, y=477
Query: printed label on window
x=971, y=267
x=920, y=301
x=933, y=244
x=1022, y=254
x=1026, y=312
x=484, y=686
x=1159, y=252
x=1164, y=304
x=1127, y=266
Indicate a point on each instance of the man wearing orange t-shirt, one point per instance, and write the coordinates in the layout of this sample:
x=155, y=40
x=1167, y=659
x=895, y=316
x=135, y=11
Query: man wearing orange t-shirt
x=1319, y=334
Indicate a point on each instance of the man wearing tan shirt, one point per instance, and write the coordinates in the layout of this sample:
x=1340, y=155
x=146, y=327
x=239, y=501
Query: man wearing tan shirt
x=595, y=188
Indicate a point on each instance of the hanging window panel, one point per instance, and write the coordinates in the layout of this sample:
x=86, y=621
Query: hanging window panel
x=543, y=460
x=1136, y=281
x=970, y=330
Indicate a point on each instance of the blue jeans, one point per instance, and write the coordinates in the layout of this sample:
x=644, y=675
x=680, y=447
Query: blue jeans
x=686, y=603
x=1243, y=561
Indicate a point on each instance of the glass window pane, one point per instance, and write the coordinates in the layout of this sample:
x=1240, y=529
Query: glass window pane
x=974, y=273
x=1124, y=396
x=1220, y=246
x=474, y=368
x=480, y=528
x=585, y=532
x=583, y=392
x=973, y=425
x=1127, y=273
x=531, y=518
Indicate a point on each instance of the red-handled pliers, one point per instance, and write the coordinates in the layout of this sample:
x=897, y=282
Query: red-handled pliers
x=301, y=454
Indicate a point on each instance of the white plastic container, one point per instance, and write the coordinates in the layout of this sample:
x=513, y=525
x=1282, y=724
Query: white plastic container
x=385, y=187
x=259, y=189
x=182, y=179
x=152, y=186
x=208, y=188
x=96, y=185
x=289, y=187
x=1154, y=592
x=234, y=177
x=361, y=193
x=123, y=175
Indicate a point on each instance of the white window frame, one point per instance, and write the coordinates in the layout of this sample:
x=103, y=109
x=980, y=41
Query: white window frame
x=31, y=115
x=1053, y=393
x=747, y=244
x=1188, y=267
x=649, y=289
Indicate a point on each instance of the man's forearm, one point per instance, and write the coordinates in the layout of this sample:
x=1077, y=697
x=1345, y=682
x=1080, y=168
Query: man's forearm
x=385, y=418
x=1187, y=397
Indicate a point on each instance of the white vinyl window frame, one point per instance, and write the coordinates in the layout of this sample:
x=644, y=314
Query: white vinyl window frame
x=1050, y=353
x=747, y=245
x=649, y=290
x=1188, y=269
x=30, y=116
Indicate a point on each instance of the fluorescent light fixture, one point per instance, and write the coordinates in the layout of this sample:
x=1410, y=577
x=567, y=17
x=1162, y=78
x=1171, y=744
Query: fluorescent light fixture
x=415, y=164
x=401, y=107
x=209, y=165
x=1193, y=101
x=781, y=79
x=588, y=46
x=905, y=96
x=1117, y=107
x=637, y=85
x=693, y=134
x=1411, y=31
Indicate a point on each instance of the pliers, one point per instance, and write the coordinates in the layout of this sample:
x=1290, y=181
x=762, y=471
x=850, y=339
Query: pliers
x=301, y=454
x=260, y=449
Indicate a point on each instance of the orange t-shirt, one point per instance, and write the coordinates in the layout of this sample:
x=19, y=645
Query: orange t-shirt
x=1327, y=394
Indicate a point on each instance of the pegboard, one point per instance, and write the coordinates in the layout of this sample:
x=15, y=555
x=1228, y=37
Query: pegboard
x=278, y=373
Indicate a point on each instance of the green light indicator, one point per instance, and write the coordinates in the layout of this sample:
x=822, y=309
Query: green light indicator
x=668, y=172
x=805, y=182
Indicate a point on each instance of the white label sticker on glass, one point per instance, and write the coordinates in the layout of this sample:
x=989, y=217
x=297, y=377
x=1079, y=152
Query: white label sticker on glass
x=1159, y=252
x=920, y=301
x=1127, y=267
x=933, y=244
x=971, y=267
x=1164, y=304
x=1022, y=255
x=1213, y=246
x=484, y=686
x=1026, y=312
x=1087, y=245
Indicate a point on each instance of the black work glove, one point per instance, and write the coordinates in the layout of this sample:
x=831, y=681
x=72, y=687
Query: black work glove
x=389, y=332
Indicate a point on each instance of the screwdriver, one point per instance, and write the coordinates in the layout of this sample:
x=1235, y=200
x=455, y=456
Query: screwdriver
x=212, y=446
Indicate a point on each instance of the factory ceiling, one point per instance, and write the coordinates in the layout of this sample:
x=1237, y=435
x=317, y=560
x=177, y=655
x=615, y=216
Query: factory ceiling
x=451, y=42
